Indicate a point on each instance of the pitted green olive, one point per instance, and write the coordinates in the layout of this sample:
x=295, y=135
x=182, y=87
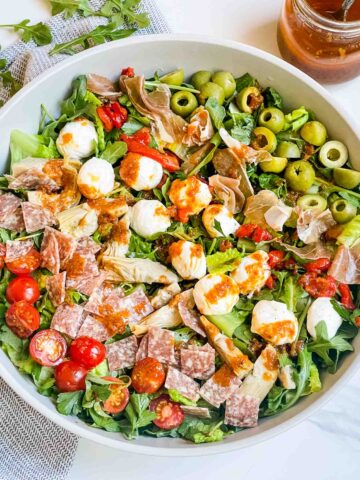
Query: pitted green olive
x=226, y=81
x=174, y=78
x=333, y=154
x=288, y=150
x=183, y=103
x=211, y=89
x=314, y=132
x=312, y=202
x=200, y=78
x=346, y=178
x=249, y=99
x=264, y=139
x=272, y=118
x=343, y=211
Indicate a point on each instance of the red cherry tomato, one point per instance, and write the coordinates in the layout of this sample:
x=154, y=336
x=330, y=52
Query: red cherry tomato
x=22, y=319
x=275, y=258
x=26, y=264
x=70, y=376
x=87, y=351
x=48, y=347
x=128, y=72
x=119, y=396
x=23, y=288
x=168, y=413
x=357, y=321
x=318, y=266
x=346, y=298
x=318, y=286
x=147, y=376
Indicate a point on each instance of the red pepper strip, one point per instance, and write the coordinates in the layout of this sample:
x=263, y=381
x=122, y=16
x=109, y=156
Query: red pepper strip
x=128, y=72
x=142, y=136
x=118, y=114
x=245, y=231
x=346, y=298
x=357, y=321
x=290, y=264
x=318, y=266
x=261, y=235
x=105, y=118
x=270, y=282
x=275, y=258
x=318, y=286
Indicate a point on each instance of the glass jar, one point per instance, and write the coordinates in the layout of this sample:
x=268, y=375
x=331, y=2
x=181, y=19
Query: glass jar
x=325, y=48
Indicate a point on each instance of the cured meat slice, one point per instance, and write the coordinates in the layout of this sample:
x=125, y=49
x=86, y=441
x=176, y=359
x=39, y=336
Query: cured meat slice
x=122, y=354
x=93, y=328
x=143, y=348
x=56, y=288
x=189, y=315
x=66, y=245
x=14, y=221
x=81, y=266
x=87, y=245
x=2, y=250
x=36, y=217
x=241, y=410
x=33, y=179
x=50, y=252
x=198, y=362
x=99, y=297
x=220, y=386
x=8, y=204
x=17, y=248
x=161, y=345
x=201, y=412
x=68, y=319
x=185, y=385
x=86, y=285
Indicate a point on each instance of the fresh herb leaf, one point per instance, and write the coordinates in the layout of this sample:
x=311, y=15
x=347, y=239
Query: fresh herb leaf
x=245, y=81
x=273, y=182
x=201, y=431
x=272, y=98
x=125, y=11
x=9, y=81
x=69, y=7
x=39, y=32
x=137, y=415
x=241, y=126
x=114, y=151
x=217, y=112
x=69, y=403
x=104, y=421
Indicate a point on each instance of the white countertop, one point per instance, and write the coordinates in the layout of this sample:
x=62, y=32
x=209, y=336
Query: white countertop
x=327, y=445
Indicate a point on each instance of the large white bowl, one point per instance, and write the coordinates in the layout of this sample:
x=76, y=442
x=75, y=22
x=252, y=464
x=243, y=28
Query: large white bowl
x=167, y=52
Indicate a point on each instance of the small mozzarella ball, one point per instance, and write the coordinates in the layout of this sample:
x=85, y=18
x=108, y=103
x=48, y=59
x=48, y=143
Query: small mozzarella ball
x=219, y=216
x=274, y=322
x=77, y=139
x=148, y=217
x=140, y=173
x=322, y=310
x=96, y=178
x=190, y=195
x=188, y=259
x=216, y=294
x=252, y=272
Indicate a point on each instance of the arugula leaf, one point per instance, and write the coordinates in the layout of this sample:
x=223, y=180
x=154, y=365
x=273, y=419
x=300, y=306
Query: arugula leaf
x=131, y=126
x=75, y=104
x=216, y=111
x=216, y=140
x=8, y=80
x=273, y=182
x=218, y=228
x=345, y=314
x=114, y=151
x=291, y=293
x=222, y=262
x=201, y=431
x=177, y=397
x=69, y=403
x=272, y=98
x=39, y=32
x=245, y=81
x=314, y=382
x=69, y=7
x=125, y=11
x=161, y=194
x=241, y=126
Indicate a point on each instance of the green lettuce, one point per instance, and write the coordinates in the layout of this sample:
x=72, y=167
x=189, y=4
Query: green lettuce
x=177, y=397
x=23, y=145
x=201, y=431
x=221, y=262
x=228, y=322
x=350, y=233
x=296, y=119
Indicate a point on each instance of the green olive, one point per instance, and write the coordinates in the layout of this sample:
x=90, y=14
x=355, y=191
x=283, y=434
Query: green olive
x=346, y=178
x=226, y=81
x=249, y=99
x=200, y=78
x=276, y=165
x=300, y=175
x=342, y=210
x=272, y=118
x=174, y=78
x=211, y=89
x=312, y=202
x=183, y=103
x=264, y=139
x=288, y=150
x=333, y=154
x=314, y=132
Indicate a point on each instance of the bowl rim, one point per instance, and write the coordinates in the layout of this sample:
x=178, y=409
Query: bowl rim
x=191, y=450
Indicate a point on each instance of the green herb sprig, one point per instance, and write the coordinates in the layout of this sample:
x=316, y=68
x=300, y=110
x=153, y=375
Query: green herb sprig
x=39, y=32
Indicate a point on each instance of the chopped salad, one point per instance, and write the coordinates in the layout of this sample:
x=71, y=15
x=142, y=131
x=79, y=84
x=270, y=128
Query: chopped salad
x=178, y=258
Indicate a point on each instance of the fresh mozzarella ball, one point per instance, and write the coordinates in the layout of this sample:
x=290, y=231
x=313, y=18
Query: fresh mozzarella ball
x=188, y=259
x=322, y=310
x=252, y=272
x=274, y=322
x=148, y=217
x=222, y=217
x=96, y=178
x=77, y=139
x=140, y=173
x=216, y=294
x=190, y=195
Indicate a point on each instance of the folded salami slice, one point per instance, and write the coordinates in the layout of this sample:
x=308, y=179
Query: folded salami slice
x=14, y=221
x=87, y=245
x=185, y=385
x=241, y=410
x=36, y=217
x=189, y=315
x=68, y=319
x=17, y=248
x=198, y=362
x=122, y=354
x=143, y=348
x=66, y=245
x=33, y=179
x=8, y=204
x=100, y=295
x=86, y=285
x=50, y=252
x=56, y=288
x=220, y=386
x=93, y=328
x=161, y=345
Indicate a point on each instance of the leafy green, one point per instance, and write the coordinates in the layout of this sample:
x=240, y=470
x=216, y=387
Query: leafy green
x=227, y=322
x=350, y=233
x=273, y=182
x=114, y=151
x=104, y=421
x=241, y=126
x=314, y=382
x=349, y=197
x=296, y=119
x=131, y=126
x=137, y=415
x=222, y=262
x=75, y=104
x=201, y=431
x=272, y=98
x=345, y=314
x=39, y=32
x=69, y=403
x=245, y=81
x=140, y=248
x=217, y=112
x=23, y=145
x=69, y=7
x=216, y=140
x=125, y=11
x=291, y=294
x=8, y=80
x=177, y=397
x=162, y=193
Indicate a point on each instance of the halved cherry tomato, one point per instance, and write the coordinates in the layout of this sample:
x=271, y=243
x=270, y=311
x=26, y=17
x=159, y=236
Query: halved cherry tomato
x=128, y=72
x=318, y=266
x=275, y=258
x=318, y=286
x=147, y=376
x=87, y=351
x=22, y=319
x=245, y=231
x=26, y=264
x=48, y=347
x=168, y=413
x=23, y=288
x=119, y=396
x=70, y=376
x=270, y=282
x=346, y=298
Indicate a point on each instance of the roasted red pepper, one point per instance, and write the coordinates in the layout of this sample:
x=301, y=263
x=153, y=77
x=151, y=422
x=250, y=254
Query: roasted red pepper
x=142, y=136
x=112, y=115
x=357, y=321
x=245, y=231
x=318, y=286
x=318, y=266
x=128, y=72
x=261, y=235
x=346, y=298
x=254, y=232
x=276, y=258
x=270, y=282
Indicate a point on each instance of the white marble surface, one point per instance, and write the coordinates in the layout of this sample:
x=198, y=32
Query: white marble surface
x=327, y=445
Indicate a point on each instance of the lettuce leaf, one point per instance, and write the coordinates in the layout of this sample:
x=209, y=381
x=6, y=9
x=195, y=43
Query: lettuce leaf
x=217, y=112
x=350, y=233
x=272, y=98
x=221, y=262
x=177, y=397
x=296, y=119
x=228, y=322
x=23, y=145
x=201, y=431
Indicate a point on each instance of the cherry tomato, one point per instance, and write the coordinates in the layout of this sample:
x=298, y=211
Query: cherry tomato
x=70, y=376
x=23, y=288
x=275, y=258
x=318, y=266
x=26, y=264
x=261, y=235
x=270, y=282
x=22, y=319
x=245, y=231
x=357, y=321
x=119, y=396
x=87, y=351
x=48, y=347
x=128, y=72
x=147, y=376
x=346, y=298
x=318, y=286
x=168, y=413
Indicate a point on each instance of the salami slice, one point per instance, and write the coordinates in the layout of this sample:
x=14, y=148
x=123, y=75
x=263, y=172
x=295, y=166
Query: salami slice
x=8, y=204
x=122, y=354
x=17, y=248
x=198, y=362
x=242, y=410
x=220, y=386
x=93, y=328
x=86, y=285
x=86, y=245
x=106, y=294
x=201, y=412
x=33, y=179
x=189, y=315
x=14, y=221
x=66, y=244
x=50, y=252
x=2, y=250
x=161, y=345
x=143, y=348
x=68, y=319
x=80, y=267
x=185, y=385
x=36, y=217
x=56, y=288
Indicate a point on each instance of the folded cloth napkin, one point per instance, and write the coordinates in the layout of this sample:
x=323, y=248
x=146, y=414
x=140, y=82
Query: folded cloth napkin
x=32, y=447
